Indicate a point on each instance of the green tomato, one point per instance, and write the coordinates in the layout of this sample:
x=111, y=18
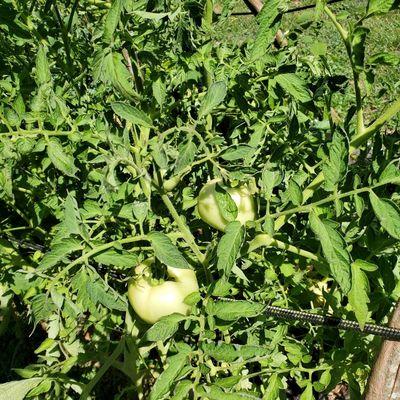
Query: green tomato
x=151, y=301
x=210, y=213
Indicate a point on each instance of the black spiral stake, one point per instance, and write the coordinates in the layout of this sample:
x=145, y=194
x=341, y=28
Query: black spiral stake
x=333, y=322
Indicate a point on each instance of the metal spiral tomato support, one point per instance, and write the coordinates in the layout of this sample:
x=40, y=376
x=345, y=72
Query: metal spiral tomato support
x=333, y=322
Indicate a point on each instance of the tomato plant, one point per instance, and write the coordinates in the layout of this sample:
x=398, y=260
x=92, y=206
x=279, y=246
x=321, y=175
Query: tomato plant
x=253, y=173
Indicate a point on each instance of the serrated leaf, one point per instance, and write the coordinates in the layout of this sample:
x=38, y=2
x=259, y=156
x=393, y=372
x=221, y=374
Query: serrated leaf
x=384, y=58
x=131, y=114
x=112, y=19
x=239, y=152
x=150, y=15
x=17, y=390
x=60, y=158
x=334, y=168
x=99, y=293
x=226, y=205
x=233, y=310
x=307, y=393
x=72, y=217
x=182, y=389
x=294, y=193
x=42, y=307
x=42, y=387
x=186, y=156
x=268, y=20
x=334, y=249
x=273, y=387
x=215, y=96
x=109, y=68
x=391, y=174
x=359, y=204
x=166, y=252
x=166, y=379
x=118, y=258
x=58, y=252
x=358, y=295
x=270, y=179
x=229, y=247
x=164, y=328
x=43, y=74
x=159, y=91
x=295, y=86
x=387, y=213
x=359, y=36
x=377, y=7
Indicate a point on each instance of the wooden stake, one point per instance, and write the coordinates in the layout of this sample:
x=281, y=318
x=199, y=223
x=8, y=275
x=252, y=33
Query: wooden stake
x=384, y=381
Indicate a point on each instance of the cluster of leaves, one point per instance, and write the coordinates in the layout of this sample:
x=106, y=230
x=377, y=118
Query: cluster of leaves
x=112, y=117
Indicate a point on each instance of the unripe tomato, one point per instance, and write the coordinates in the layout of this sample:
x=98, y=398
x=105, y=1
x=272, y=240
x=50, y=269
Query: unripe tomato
x=151, y=301
x=210, y=212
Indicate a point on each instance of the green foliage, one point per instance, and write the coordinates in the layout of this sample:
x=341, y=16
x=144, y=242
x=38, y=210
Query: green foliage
x=113, y=116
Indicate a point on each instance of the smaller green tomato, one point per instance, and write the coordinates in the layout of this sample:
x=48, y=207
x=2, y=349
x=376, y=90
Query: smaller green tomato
x=210, y=213
x=151, y=301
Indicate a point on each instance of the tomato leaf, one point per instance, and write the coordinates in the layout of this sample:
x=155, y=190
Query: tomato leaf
x=358, y=295
x=273, y=387
x=186, y=156
x=295, y=86
x=294, y=193
x=229, y=247
x=308, y=392
x=387, y=213
x=268, y=20
x=391, y=174
x=166, y=379
x=377, y=7
x=60, y=158
x=118, y=258
x=334, y=249
x=43, y=74
x=159, y=91
x=233, y=310
x=166, y=252
x=131, y=114
x=182, y=389
x=164, y=328
x=213, y=98
x=112, y=19
x=334, y=168
x=226, y=205
x=58, y=252
x=17, y=390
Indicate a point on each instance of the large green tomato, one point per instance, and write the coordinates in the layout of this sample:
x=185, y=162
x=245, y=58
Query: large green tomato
x=151, y=301
x=210, y=213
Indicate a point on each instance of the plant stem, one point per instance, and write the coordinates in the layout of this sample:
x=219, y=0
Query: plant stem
x=104, y=368
x=84, y=257
x=356, y=76
x=3, y=118
x=389, y=113
x=343, y=32
x=264, y=239
x=35, y=132
x=186, y=234
x=308, y=207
